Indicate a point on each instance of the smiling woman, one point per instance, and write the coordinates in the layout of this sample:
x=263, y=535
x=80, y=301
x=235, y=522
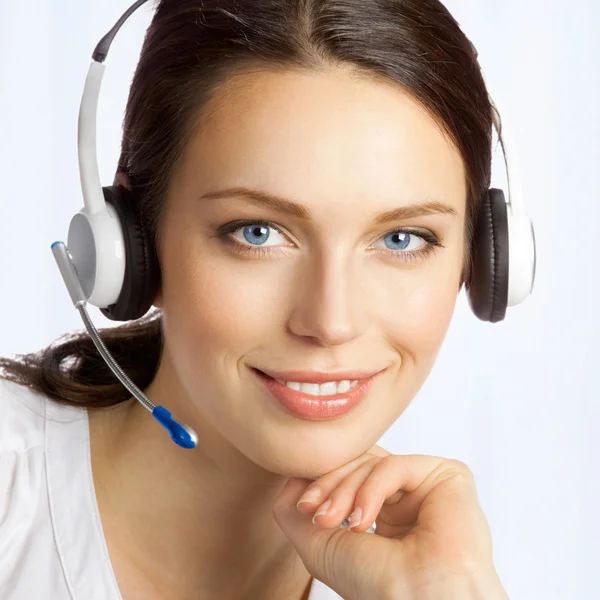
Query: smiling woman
x=306, y=179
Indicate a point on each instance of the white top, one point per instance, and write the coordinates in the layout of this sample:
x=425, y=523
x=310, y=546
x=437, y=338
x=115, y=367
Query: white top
x=52, y=545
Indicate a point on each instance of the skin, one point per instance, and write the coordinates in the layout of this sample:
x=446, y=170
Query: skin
x=328, y=294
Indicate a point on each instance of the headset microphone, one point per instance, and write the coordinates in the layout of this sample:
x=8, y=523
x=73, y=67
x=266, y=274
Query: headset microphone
x=107, y=254
x=181, y=434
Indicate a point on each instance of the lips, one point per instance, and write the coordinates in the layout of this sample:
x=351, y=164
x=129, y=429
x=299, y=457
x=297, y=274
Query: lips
x=316, y=408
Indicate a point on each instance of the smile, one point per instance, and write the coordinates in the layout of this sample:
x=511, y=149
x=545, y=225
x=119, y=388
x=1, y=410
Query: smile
x=329, y=388
x=317, y=396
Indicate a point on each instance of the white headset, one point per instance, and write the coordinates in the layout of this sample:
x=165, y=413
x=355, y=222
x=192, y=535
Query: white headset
x=110, y=264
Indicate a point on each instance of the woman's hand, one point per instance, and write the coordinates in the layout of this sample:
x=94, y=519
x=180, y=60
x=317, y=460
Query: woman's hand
x=432, y=541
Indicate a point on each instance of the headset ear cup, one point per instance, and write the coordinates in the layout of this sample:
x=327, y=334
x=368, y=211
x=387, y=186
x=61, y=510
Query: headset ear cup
x=487, y=289
x=142, y=273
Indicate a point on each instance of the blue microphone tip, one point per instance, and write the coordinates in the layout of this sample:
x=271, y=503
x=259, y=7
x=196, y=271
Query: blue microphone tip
x=181, y=434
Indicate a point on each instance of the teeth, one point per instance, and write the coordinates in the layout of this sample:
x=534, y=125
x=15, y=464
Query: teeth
x=310, y=388
x=327, y=389
x=324, y=389
x=344, y=386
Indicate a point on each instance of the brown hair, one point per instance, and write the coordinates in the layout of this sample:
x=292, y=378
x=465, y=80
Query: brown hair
x=190, y=48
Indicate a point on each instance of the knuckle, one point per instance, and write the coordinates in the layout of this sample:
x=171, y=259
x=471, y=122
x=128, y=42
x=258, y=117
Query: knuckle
x=375, y=460
x=457, y=468
x=388, y=458
x=459, y=465
x=451, y=468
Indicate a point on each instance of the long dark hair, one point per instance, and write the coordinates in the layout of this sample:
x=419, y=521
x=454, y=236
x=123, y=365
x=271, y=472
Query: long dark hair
x=193, y=46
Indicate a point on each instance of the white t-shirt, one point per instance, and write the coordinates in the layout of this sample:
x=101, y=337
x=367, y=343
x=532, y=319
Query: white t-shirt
x=52, y=545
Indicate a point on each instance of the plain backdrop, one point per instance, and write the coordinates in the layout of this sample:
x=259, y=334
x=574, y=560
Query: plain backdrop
x=518, y=401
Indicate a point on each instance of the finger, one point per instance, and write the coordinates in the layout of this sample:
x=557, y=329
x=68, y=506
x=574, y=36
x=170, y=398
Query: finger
x=415, y=476
x=299, y=529
x=342, y=498
x=318, y=491
x=330, y=555
x=379, y=451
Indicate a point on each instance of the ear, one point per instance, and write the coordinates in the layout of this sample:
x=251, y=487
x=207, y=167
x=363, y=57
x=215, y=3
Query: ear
x=122, y=180
x=158, y=303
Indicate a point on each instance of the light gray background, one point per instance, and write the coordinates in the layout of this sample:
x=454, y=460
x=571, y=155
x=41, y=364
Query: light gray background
x=519, y=400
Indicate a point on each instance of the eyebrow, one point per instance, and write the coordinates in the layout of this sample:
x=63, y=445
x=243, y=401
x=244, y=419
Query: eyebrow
x=283, y=205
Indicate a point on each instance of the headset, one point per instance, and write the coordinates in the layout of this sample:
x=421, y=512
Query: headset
x=111, y=263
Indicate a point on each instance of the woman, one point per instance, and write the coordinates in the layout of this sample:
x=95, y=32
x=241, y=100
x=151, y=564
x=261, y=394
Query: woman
x=311, y=175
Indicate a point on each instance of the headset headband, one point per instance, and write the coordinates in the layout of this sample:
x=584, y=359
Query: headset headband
x=504, y=248
x=93, y=197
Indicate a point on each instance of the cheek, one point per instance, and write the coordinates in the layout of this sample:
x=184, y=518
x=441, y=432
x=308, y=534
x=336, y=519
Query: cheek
x=418, y=307
x=209, y=306
x=430, y=311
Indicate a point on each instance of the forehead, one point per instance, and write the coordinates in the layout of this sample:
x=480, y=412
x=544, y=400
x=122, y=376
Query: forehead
x=323, y=137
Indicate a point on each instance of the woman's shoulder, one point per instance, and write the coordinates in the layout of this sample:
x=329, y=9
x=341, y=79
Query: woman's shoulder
x=31, y=565
x=22, y=450
x=22, y=485
x=22, y=418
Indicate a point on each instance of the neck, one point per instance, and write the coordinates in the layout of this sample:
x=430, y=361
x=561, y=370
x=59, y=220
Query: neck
x=183, y=521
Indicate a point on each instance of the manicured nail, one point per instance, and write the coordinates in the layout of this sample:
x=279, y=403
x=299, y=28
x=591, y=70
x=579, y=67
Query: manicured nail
x=311, y=495
x=356, y=517
x=322, y=510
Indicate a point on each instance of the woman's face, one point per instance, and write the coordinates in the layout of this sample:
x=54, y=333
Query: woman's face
x=333, y=277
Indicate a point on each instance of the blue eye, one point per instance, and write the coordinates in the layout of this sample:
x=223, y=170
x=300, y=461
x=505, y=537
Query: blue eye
x=400, y=240
x=258, y=234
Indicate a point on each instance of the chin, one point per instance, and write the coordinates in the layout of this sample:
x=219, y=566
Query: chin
x=305, y=459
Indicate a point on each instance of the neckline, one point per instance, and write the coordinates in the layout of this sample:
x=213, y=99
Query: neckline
x=73, y=505
x=74, y=510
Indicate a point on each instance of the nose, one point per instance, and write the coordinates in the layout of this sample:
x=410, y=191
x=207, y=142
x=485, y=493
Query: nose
x=330, y=302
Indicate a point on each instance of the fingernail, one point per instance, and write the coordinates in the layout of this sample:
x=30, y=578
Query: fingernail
x=322, y=510
x=356, y=517
x=311, y=495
